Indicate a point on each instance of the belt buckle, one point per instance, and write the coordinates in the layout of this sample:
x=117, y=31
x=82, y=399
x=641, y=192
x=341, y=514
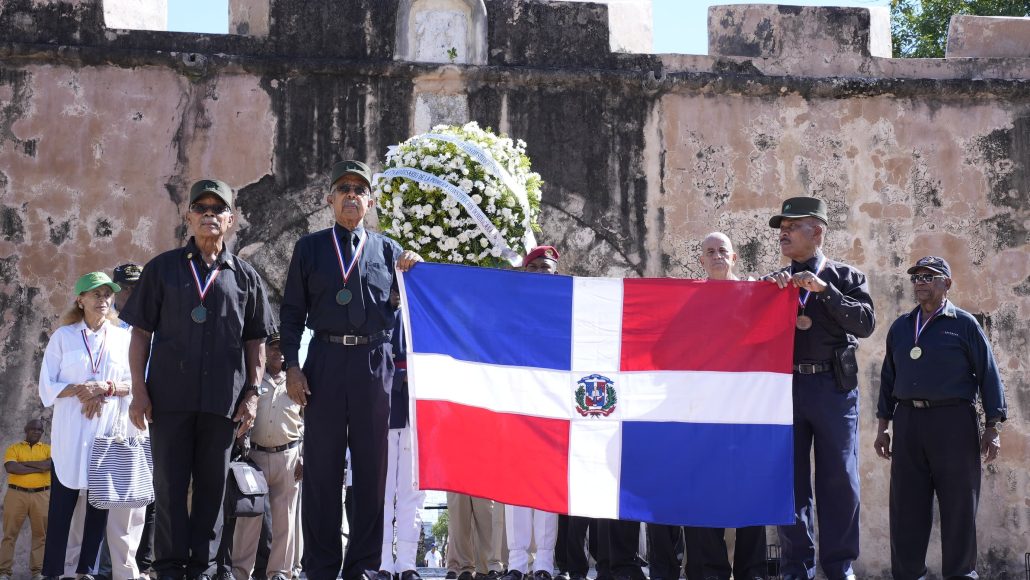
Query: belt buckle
x=920, y=404
x=806, y=368
x=350, y=340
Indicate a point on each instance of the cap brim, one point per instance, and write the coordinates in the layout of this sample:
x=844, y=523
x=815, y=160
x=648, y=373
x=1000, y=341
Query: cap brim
x=112, y=285
x=774, y=221
x=915, y=269
x=367, y=181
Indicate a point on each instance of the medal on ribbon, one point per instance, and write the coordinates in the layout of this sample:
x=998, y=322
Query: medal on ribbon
x=917, y=351
x=344, y=296
x=199, y=314
x=804, y=322
x=94, y=359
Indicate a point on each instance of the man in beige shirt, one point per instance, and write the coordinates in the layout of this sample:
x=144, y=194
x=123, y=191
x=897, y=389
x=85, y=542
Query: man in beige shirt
x=275, y=448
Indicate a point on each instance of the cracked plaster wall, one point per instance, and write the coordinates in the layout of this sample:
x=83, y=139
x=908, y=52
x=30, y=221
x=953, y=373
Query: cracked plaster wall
x=642, y=156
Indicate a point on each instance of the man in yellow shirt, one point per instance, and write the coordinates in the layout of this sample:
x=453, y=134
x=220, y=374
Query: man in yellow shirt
x=28, y=495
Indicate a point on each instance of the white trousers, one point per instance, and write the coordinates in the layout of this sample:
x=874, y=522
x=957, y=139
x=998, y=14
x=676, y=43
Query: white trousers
x=403, y=501
x=527, y=526
x=123, y=533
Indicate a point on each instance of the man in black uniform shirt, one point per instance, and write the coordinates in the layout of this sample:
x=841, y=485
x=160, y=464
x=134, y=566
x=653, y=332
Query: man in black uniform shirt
x=937, y=361
x=834, y=311
x=339, y=285
x=208, y=315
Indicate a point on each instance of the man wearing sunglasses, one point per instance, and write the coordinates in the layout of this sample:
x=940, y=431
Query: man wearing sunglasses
x=938, y=361
x=338, y=285
x=199, y=318
x=834, y=311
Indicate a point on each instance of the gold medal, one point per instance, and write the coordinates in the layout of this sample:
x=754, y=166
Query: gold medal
x=803, y=322
x=915, y=353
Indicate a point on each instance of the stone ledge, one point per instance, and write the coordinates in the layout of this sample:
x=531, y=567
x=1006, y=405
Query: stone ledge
x=988, y=36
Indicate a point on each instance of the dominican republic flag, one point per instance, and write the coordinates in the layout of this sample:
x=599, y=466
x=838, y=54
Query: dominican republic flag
x=655, y=400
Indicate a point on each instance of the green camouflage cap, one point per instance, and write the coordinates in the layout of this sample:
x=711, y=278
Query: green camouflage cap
x=354, y=167
x=219, y=188
x=799, y=207
x=95, y=280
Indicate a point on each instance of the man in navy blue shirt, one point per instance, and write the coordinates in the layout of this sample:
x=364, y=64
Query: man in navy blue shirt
x=338, y=285
x=834, y=311
x=938, y=361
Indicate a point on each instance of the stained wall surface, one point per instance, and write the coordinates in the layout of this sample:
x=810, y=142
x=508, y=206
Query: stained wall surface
x=101, y=133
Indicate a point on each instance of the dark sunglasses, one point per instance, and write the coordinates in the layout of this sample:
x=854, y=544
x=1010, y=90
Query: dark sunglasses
x=215, y=208
x=349, y=187
x=924, y=278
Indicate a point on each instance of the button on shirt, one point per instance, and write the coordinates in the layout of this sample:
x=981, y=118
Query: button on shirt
x=314, y=278
x=278, y=419
x=198, y=367
x=23, y=452
x=66, y=362
x=956, y=362
x=840, y=315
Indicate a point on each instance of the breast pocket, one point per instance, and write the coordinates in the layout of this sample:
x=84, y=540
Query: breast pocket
x=379, y=279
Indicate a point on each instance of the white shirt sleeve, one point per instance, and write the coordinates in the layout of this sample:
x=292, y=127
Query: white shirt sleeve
x=49, y=374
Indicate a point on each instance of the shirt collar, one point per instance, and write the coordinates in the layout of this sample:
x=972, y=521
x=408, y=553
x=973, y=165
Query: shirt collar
x=224, y=259
x=342, y=231
x=949, y=310
x=82, y=326
x=808, y=265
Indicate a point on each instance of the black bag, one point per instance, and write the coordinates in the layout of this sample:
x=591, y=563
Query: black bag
x=246, y=490
x=845, y=368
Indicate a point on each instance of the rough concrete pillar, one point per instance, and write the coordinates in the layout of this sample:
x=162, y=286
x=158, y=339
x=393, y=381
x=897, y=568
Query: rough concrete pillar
x=988, y=36
x=445, y=31
x=136, y=14
x=249, y=17
x=798, y=32
x=631, y=24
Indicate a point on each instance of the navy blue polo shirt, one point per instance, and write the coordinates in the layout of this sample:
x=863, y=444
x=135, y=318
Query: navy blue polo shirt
x=956, y=363
x=314, y=278
x=198, y=367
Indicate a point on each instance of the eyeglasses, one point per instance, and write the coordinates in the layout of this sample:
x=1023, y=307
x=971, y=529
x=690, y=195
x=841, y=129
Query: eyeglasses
x=349, y=187
x=925, y=278
x=215, y=208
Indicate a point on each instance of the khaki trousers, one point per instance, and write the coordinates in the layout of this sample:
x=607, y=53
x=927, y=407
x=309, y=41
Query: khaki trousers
x=19, y=505
x=475, y=534
x=123, y=534
x=282, y=496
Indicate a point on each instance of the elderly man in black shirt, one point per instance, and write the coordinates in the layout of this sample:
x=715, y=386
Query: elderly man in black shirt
x=339, y=285
x=199, y=318
x=938, y=361
x=834, y=311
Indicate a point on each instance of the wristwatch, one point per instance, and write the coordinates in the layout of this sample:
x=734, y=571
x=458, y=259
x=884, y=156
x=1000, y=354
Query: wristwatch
x=996, y=425
x=248, y=389
x=288, y=365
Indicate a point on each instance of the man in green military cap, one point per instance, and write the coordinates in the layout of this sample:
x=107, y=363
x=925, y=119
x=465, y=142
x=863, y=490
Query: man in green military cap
x=199, y=318
x=338, y=285
x=834, y=311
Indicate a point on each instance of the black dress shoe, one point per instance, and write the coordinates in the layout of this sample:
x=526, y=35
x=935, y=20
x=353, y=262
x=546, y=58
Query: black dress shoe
x=451, y=575
x=513, y=575
x=410, y=575
x=466, y=575
x=542, y=575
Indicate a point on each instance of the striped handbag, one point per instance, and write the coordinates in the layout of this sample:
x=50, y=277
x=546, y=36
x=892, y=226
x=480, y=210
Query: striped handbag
x=121, y=469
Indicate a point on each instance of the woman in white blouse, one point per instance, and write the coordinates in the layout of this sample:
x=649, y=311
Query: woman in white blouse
x=85, y=378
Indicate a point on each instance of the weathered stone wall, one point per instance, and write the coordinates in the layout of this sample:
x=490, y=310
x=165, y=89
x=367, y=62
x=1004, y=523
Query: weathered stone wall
x=102, y=131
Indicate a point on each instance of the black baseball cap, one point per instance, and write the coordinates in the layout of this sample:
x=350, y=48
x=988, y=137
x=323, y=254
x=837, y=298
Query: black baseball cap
x=128, y=273
x=939, y=265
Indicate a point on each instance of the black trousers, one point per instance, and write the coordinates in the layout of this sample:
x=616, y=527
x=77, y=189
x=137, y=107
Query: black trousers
x=59, y=523
x=349, y=405
x=936, y=451
x=623, y=544
x=145, y=553
x=708, y=556
x=666, y=545
x=576, y=557
x=561, y=544
x=189, y=447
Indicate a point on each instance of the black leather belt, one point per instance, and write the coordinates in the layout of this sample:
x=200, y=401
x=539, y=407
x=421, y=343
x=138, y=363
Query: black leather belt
x=350, y=339
x=28, y=489
x=289, y=445
x=812, y=368
x=926, y=404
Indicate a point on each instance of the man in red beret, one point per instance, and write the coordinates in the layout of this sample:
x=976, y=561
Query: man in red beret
x=542, y=260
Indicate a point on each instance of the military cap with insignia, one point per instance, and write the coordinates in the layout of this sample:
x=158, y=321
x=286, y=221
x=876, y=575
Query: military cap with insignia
x=799, y=207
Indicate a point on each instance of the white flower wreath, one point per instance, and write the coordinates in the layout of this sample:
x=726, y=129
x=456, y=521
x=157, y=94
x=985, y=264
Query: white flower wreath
x=461, y=194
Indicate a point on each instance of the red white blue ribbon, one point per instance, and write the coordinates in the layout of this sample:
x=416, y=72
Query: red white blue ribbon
x=919, y=314
x=202, y=288
x=94, y=361
x=347, y=269
x=818, y=268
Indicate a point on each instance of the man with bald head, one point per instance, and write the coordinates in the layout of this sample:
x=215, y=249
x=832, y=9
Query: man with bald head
x=834, y=311
x=28, y=465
